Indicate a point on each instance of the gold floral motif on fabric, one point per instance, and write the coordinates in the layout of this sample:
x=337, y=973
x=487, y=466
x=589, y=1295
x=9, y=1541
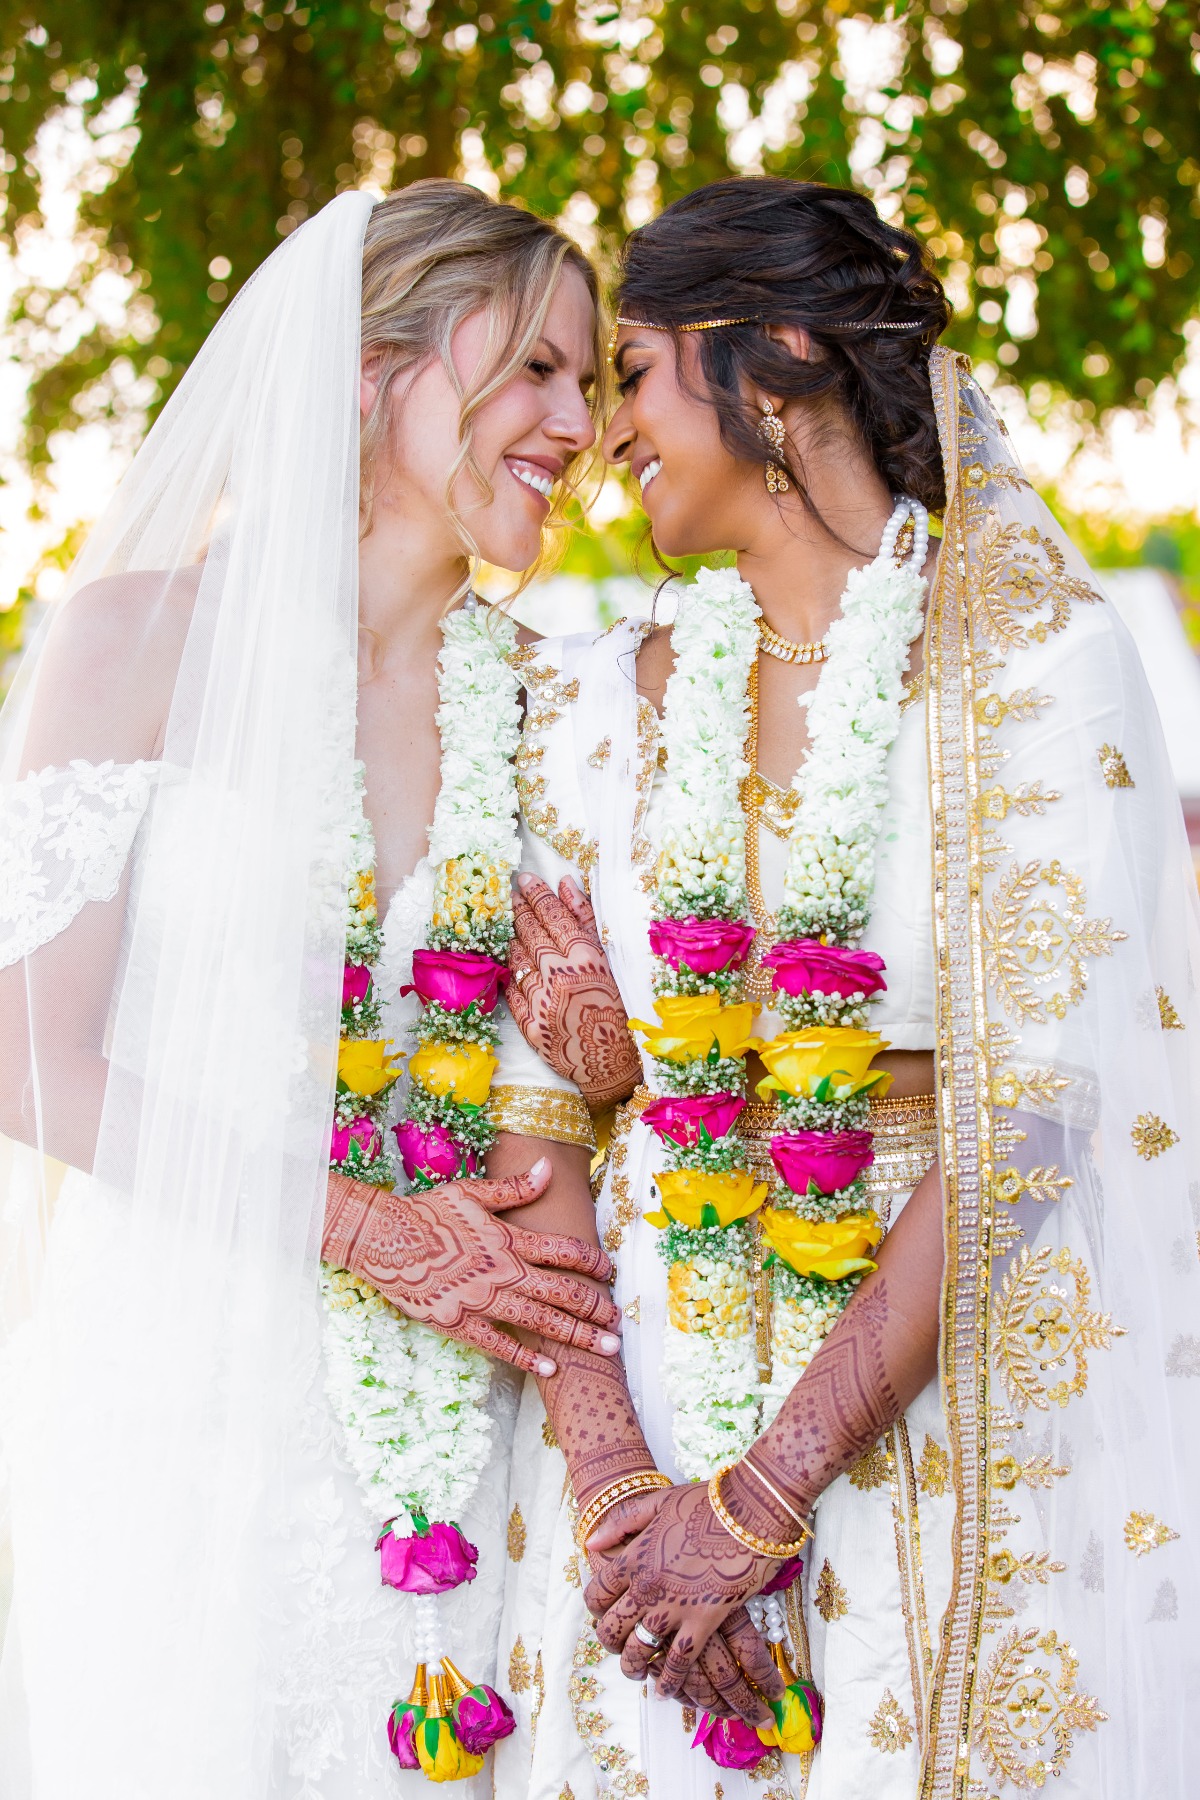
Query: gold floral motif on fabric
x=1041, y=1321
x=1022, y=591
x=600, y=755
x=583, y=1691
x=1032, y=1565
x=1144, y=1533
x=1023, y=703
x=829, y=1596
x=1113, y=767
x=1151, y=1135
x=1030, y=1701
x=997, y=802
x=539, y=1697
x=890, y=1729
x=1033, y=942
x=1041, y=1183
x=519, y=1673
x=1168, y=1018
x=517, y=1535
x=548, y=1437
x=871, y=1470
x=933, y=1470
x=1036, y=1089
x=1036, y=1472
x=641, y=852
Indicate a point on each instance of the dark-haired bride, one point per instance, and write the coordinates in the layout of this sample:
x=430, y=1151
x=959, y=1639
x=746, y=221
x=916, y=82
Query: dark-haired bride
x=884, y=847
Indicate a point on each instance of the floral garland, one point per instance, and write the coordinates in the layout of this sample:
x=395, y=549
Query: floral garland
x=817, y=1226
x=411, y=1402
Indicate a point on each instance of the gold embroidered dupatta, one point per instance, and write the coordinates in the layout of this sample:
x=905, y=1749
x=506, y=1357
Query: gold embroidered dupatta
x=1068, y=952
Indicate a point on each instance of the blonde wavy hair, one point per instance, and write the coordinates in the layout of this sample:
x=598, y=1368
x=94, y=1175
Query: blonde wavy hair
x=435, y=254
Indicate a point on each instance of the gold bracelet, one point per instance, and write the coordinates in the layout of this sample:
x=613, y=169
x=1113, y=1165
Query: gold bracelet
x=642, y=1482
x=772, y=1490
x=748, y=1539
x=558, y=1114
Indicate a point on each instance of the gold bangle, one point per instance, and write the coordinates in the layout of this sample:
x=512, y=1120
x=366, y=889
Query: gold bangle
x=774, y=1492
x=748, y=1539
x=558, y=1114
x=642, y=1482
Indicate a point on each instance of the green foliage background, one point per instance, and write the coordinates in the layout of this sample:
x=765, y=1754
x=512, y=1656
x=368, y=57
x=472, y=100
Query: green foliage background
x=1052, y=142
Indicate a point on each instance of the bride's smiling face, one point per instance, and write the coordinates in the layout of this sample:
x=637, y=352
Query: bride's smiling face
x=522, y=437
x=697, y=496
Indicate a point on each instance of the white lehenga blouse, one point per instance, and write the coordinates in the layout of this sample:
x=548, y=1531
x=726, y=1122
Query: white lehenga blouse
x=879, y=1567
x=350, y=1651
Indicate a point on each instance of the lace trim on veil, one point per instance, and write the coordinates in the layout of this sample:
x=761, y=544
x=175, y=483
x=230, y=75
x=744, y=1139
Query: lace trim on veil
x=65, y=836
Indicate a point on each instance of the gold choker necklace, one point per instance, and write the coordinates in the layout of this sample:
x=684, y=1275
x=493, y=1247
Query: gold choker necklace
x=784, y=650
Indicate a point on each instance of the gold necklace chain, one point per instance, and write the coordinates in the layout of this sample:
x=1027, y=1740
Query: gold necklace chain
x=785, y=650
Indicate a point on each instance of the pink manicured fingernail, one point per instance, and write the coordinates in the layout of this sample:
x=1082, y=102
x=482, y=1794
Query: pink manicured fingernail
x=546, y=1367
x=609, y=1344
x=541, y=1167
x=524, y=882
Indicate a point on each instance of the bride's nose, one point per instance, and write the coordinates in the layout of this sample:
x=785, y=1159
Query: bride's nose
x=618, y=439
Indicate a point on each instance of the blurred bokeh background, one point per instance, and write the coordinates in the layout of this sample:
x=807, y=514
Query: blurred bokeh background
x=154, y=151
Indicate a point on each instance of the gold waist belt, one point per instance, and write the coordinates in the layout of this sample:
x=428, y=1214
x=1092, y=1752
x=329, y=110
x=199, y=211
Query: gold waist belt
x=905, y=1134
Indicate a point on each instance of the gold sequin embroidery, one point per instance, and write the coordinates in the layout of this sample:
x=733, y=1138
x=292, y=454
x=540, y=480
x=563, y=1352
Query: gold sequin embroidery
x=518, y=1668
x=1040, y=1321
x=548, y=1437
x=1024, y=594
x=1033, y=942
x=600, y=755
x=516, y=1535
x=1028, y=1701
x=829, y=1596
x=1151, y=1135
x=871, y=1470
x=933, y=1470
x=1144, y=1533
x=1113, y=767
x=1041, y=1183
x=889, y=1729
x=1168, y=1018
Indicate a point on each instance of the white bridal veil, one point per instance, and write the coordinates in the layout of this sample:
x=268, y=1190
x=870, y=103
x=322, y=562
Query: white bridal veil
x=167, y=1026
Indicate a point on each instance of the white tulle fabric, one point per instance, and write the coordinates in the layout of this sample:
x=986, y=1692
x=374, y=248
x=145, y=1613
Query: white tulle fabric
x=167, y=1027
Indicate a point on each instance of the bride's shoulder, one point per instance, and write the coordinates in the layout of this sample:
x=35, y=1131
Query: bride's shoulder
x=111, y=659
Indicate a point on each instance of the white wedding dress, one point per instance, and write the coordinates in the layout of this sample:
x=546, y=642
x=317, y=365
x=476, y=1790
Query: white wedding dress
x=65, y=840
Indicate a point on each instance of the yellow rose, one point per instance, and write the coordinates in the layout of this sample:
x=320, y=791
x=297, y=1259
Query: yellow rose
x=792, y=1731
x=825, y=1063
x=690, y=1024
x=462, y=1070
x=701, y=1197
x=364, y=1066
x=832, y=1248
x=440, y=1754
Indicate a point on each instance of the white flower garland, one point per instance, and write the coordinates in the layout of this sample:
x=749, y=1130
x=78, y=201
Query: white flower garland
x=409, y=1401
x=710, y=1374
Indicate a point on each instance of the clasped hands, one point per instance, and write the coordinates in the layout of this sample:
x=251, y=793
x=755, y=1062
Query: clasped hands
x=445, y=1258
x=686, y=1580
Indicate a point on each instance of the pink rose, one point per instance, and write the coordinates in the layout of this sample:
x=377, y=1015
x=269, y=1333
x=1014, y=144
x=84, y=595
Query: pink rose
x=431, y=1151
x=705, y=946
x=679, y=1121
x=356, y=979
x=731, y=1743
x=434, y=1559
x=789, y=1571
x=829, y=1159
x=482, y=1719
x=362, y=1132
x=806, y=966
x=403, y=1720
x=456, y=979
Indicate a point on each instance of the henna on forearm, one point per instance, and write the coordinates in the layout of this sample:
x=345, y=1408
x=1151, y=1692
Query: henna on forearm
x=589, y=1406
x=877, y=1359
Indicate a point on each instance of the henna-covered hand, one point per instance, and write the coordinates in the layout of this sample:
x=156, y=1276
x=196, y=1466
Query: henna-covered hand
x=441, y=1257
x=688, y=1579
x=563, y=996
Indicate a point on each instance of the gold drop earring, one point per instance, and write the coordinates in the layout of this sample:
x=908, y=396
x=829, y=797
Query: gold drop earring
x=774, y=435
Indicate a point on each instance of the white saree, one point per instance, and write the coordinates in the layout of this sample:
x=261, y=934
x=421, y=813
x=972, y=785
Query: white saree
x=1006, y=1588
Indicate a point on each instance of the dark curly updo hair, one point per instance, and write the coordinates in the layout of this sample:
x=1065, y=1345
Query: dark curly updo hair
x=799, y=253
